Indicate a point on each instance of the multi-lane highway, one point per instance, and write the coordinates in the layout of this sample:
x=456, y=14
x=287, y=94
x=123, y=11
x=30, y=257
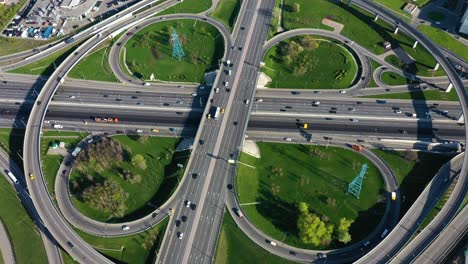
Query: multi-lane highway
x=220, y=140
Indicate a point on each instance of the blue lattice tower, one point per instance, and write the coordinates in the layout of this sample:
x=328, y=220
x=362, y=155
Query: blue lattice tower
x=354, y=187
x=177, y=51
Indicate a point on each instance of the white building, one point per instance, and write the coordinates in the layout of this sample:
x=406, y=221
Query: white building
x=464, y=23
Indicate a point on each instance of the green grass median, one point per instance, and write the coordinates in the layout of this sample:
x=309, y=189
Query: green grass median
x=95, y=66
x=445, y=40
x=234, y=247
x=419, y=95
x=138, y=249
x=23, y=233
x=227, y=12
x=188, y=6
x=47, y=65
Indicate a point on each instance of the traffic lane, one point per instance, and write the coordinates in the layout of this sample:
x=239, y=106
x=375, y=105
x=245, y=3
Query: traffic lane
x=357, y=105
x=229, y=144
x=133, y=117
x=403, y=128
x=131, y=100
x=215, y=186
x=199, y=164
x=204, y=207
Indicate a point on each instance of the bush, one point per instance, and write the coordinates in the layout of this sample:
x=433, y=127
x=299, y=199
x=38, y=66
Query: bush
x=108, y=197
x=139, y=161
x=130, y=176
x=99, y=156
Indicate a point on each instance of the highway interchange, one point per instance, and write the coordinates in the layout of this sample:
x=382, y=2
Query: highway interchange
x=222, y=138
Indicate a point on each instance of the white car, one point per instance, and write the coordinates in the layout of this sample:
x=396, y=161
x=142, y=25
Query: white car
x=259, y=100
x=194, y=94
x=139, y=131
x=397, y=111
x=216, y=90
x=180, y=235
x=226, y=84
x=288, y=139
x=342, y=91
x=187, y=203
x=72, y=97
x=125, y=227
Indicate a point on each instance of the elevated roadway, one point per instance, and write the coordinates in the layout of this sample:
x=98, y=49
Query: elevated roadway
x=395, y=241
x=220, y=139
x=57, y=74
x=65, y=236
x=439, y=248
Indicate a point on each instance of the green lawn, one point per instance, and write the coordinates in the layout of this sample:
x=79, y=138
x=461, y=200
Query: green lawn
x=150, y=51
x=51, y=163
x=329, y=65
x=359, y=26
x=436, y=16
x=158, y=181
x=135, y=249
x=11, y=140
x=374, y=65
x=13, y=45
x=311, y=174
x=412, y=175
x=66, y=258
x=46, y=65
x=433, y=213
x=234, y=247
x=274, y=20
x=424, y=95
x=445, y=40
x=227, y=11
x=95, y=66
x=396, y=5
x=188, y=6
x=391, y=78
x=23, y=233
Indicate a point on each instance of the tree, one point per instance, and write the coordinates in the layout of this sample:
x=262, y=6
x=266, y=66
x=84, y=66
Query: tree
x=343, y=230
x=312, y=230
x=139, y=161
x=108, y=197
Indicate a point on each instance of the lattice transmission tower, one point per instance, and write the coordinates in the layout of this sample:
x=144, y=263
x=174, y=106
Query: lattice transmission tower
x=177, y=51
x=354, y=187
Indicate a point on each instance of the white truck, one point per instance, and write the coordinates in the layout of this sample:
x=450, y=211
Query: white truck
x=217, y=111
x=12, y=177
x=76, y=151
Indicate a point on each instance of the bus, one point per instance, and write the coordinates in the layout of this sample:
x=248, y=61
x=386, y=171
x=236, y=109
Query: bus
x=12, y=177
